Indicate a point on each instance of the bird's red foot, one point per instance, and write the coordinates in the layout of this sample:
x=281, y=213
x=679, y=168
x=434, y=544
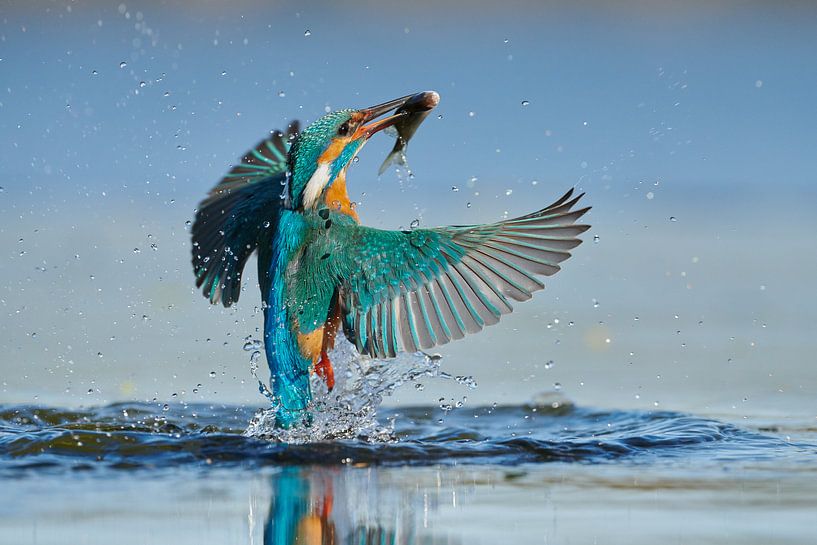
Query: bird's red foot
x=324, y=370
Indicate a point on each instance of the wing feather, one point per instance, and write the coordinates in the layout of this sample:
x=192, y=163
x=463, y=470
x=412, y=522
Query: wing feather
x=418, y=289
x=237, y=215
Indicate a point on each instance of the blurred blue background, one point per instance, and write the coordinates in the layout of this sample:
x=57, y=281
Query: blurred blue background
x=690, y=126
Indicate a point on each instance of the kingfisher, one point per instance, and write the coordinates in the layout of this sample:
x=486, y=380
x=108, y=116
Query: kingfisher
x=320, y=270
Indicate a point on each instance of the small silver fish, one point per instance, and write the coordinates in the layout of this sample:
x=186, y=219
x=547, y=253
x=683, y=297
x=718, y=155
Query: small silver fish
x=417, y=109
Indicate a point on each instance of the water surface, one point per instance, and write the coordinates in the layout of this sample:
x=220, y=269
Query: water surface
x=544, y=471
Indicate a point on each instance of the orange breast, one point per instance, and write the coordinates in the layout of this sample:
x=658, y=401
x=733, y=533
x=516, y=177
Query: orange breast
x=337, y=198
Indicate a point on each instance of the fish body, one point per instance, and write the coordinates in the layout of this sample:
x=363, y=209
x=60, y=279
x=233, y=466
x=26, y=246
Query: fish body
x=415, y=112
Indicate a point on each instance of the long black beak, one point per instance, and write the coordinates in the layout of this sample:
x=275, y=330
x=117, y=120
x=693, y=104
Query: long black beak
x=370, y=126
x=380, y=109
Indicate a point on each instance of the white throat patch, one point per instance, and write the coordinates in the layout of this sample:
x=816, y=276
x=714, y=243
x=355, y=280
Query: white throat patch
x=314, y=187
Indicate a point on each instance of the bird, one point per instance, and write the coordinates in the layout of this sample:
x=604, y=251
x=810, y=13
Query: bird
x=320, y=270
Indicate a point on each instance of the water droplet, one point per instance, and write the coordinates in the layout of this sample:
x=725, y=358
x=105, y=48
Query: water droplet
x=355, y=159
x=123, y=64
x=137, y=250
x=549, y=364
x=466, y=381
x=252, y=345
x=471, y=114
x=419, y=387
x=281, y=94
x=454, y=188
x=307, y=33
x=415, y=223
x=167, y=93
x=508, y=192
x=595, y=239
x=673, y=218
x=223, y=72
x=99, y=354
x=525, y=103
x=212, y=374
x=142, y=84
x=94, y=73
x=557, y=386
x=468, y=205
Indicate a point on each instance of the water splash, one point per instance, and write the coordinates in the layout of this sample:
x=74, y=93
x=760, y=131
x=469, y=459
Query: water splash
x=349, y=411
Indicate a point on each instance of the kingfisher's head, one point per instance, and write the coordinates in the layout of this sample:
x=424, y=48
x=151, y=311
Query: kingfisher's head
x=325, y=149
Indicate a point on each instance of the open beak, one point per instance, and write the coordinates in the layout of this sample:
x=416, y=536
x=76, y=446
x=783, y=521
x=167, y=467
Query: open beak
x=370, y=126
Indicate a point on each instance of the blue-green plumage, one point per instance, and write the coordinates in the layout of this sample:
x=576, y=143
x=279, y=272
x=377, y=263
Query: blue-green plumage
x=239, y=216
x=319, y=269
x=289, y=369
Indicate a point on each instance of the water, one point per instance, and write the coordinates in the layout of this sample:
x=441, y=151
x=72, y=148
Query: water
x=365, y=474
x=539, y=465
x=138, y=436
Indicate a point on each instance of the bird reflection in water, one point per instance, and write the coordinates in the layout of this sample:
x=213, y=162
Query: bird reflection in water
x=343, y=506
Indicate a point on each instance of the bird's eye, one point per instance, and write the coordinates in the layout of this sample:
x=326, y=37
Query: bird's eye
x=343, y=130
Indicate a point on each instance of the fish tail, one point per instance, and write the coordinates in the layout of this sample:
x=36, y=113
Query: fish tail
x=397, y=156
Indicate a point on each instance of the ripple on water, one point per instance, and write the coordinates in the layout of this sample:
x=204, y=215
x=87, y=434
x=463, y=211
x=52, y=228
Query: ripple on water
x=145, y=436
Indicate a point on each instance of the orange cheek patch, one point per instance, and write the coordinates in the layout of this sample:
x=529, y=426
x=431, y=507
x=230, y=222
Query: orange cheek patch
x=331, y=153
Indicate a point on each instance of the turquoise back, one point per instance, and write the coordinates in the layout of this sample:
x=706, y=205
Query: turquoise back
x=289, y=370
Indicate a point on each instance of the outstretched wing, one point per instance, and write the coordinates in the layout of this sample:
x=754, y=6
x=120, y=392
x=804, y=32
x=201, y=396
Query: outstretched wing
x=413, y=290
x=237, y=215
